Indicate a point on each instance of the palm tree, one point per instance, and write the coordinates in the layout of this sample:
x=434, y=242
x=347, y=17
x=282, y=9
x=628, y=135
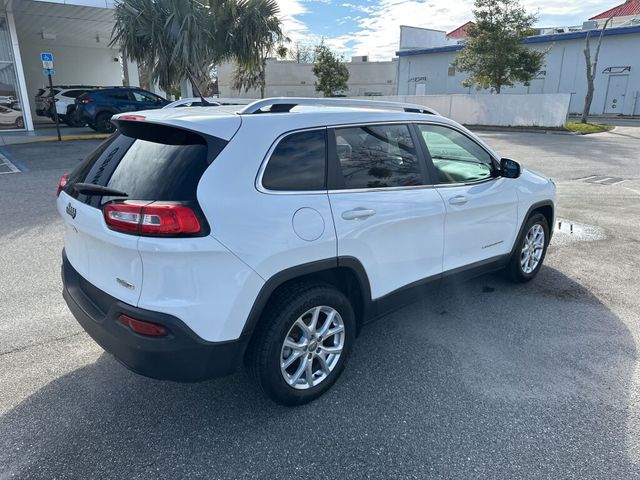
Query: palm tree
x=251, y=32
x=184, y=39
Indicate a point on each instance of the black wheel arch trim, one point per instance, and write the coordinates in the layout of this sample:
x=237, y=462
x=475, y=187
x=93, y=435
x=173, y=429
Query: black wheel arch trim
x=317, y=266
x=532, y=208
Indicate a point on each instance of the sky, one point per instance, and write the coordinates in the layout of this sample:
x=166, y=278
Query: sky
x=372, y=27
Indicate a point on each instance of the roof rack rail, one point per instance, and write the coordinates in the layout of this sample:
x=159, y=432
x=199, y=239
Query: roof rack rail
x=285, y=104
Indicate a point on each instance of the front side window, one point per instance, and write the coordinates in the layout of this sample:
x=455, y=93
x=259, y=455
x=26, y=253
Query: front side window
x=377, y=156
x=456, y=158
x=144, y=97
x=298, y=163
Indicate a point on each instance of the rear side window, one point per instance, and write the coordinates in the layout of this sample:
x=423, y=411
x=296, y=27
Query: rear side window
x=298, y=163
x=118, y=95
x=377, y=156
x=167, y=168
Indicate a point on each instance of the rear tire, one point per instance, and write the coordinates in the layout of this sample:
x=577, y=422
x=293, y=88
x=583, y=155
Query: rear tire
x=103, y=123
x=531, y=248
x=302, y=343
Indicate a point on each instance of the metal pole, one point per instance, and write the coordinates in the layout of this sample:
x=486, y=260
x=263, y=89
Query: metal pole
x=55, y=110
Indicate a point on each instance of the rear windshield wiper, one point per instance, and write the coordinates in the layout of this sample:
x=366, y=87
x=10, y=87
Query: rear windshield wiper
x=93, y=189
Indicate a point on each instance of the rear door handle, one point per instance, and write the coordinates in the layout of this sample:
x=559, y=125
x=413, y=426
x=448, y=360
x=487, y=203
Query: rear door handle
x=358, y=213
x=458, y=200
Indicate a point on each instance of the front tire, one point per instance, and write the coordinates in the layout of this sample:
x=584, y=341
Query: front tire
x=531, y=249
x=302, y=343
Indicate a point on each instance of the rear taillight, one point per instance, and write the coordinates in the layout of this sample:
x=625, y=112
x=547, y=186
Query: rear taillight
x=85, y=101
x=132, y=118
x=143, y=327
x=153, y=219
x=62, y=183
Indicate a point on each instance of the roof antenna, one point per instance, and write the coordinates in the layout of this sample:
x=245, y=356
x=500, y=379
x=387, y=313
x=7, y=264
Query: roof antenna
x=195, y=87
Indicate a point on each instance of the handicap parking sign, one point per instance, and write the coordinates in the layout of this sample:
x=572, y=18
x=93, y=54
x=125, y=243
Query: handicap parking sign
x=46, y=57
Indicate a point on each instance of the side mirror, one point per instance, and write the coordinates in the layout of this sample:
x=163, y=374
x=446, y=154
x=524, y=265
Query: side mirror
x=509, y=168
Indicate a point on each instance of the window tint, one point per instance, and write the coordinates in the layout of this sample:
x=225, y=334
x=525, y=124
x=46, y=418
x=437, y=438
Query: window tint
x=119, y=95
x=377, y=156
x=145, y=170
x=74, y=93
x=297, y=163
x=456, y=157
x=144, y=97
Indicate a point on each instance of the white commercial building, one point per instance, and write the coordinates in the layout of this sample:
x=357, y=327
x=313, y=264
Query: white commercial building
x=426, y=63
x=292, y=79
x=76, y=32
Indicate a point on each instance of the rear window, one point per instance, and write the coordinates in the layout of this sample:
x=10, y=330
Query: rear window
x=298, y=163
x=167, y=169
x=74, y=93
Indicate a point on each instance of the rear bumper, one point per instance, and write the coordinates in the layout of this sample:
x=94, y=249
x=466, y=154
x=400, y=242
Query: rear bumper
x=180, y=356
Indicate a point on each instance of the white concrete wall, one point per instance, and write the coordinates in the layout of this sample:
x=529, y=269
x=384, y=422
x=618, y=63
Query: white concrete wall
x=291, y=79
x=542, y=110
x=564, y=73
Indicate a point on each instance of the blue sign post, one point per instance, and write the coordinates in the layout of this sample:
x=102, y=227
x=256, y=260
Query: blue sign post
x=47, y=69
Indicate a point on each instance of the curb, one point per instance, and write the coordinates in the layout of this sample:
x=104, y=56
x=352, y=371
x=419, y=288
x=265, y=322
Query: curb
x=65, y=138
x=489, y=128
x=27, y=140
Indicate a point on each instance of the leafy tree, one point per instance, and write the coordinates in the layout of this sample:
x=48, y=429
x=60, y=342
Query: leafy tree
x=184, y=39
x=301, y=53
x=331, y=73
x=492, y=53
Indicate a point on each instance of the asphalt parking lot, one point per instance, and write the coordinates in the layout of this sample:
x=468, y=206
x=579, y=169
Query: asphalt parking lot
x=482, y=379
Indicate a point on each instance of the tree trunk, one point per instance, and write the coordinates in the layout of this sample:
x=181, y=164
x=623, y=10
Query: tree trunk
x=587, y=102
x=592, y=68
x=589, y=96
x=498, y=87
x=263, y=77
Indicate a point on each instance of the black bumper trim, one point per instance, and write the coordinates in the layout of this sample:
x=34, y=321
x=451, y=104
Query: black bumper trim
x=180, y=356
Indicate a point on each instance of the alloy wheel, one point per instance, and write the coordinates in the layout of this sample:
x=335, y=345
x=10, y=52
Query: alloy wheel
x=532, y=248
x=312, y=347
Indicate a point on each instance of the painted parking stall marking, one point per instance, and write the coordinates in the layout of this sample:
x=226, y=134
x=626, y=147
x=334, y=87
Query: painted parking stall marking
x=603, y=180
x=6, y=166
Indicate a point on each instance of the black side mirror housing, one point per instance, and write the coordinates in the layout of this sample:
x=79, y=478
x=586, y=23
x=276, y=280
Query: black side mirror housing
x=509, y=168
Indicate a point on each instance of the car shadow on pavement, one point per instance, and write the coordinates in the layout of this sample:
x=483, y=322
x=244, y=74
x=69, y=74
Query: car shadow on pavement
x=478, y=379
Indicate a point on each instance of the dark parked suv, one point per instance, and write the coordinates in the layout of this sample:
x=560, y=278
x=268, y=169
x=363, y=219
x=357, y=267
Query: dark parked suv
x=97, y=107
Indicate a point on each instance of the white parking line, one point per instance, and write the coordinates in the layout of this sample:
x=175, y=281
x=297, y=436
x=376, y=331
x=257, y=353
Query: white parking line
x=5, y=164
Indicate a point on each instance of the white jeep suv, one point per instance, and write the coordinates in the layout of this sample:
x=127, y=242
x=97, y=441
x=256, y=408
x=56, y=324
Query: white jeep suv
x=196, y=238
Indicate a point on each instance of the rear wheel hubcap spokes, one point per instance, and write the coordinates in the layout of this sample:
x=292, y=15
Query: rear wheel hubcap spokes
x=312, y=347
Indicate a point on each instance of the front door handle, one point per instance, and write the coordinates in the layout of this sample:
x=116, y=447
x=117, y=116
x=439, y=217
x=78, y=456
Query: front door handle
x=358, y=213
x=458, y=200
